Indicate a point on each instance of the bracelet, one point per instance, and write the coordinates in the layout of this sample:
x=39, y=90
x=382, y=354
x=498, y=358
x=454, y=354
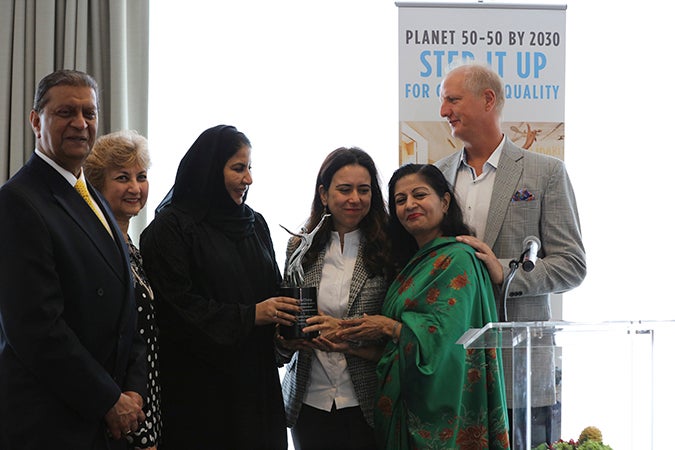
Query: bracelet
x=394, y=331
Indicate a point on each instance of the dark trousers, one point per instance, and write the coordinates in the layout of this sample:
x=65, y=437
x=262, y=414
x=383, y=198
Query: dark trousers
x=545, y=426
x=339, y=429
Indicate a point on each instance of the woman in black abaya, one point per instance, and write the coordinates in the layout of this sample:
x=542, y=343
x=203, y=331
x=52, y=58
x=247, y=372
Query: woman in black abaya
x=210, y=258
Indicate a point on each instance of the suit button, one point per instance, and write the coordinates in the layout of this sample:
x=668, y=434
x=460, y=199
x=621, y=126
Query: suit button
x=99, y=292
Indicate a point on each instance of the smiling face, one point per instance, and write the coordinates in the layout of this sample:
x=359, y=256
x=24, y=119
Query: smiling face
x=237, y=174
x=126, y=189
x=465, y=112
x=348, y=197
x=419, y=208
x=66, y=127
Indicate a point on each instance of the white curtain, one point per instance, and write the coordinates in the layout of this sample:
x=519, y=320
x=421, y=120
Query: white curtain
x=106, y=38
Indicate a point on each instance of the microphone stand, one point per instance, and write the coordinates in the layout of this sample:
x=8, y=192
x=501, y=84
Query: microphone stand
x=513, y=266
x=503, y=294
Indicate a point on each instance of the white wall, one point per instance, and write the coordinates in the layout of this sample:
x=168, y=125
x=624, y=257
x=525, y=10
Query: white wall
x=302, y=78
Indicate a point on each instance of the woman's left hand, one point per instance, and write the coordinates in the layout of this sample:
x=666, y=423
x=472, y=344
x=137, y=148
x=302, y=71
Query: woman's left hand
x=371, y=353
x=485, y=254
x=366, y=328
x=326, y=325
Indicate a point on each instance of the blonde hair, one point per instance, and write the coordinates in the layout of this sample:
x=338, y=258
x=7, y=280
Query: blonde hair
x=113, y=151
x=478, y=77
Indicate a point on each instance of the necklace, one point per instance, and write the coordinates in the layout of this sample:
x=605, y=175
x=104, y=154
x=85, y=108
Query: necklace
x=134, y=251
x=140, y=281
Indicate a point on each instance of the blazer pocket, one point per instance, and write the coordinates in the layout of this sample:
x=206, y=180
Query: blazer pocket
x=523, y=214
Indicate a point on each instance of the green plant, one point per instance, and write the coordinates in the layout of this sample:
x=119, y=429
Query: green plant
x=589, y=439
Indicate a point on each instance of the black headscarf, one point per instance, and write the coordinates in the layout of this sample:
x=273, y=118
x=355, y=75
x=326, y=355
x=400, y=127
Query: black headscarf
x=199, y=189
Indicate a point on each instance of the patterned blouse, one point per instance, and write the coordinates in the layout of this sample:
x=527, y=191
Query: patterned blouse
x=149, y=433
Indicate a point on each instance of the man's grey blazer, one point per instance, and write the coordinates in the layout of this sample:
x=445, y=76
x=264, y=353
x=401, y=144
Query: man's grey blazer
x=366, y=294
x=532, y=196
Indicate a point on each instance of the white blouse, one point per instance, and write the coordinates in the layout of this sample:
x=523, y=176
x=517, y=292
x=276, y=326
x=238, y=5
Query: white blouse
x=330, y=381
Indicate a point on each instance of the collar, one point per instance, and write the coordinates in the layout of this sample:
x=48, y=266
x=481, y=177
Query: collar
x=493, y=160
x=352, y=238
x=66, y=174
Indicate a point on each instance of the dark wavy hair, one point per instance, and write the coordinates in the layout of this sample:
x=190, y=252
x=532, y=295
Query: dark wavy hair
x=374, y=224
x=403, y=244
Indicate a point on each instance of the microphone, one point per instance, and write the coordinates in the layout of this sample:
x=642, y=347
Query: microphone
x=531, y=246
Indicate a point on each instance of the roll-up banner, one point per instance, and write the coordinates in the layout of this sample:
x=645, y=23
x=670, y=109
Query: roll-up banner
x=525, y=44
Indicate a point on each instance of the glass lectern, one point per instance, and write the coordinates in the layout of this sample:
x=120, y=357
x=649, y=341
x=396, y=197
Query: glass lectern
x=616, y=376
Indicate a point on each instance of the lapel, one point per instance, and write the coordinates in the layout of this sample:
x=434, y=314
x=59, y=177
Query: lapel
x=313, y=275
x=75, y=206
x=118, y=238
x=119, y=262
x=359, y=278
x=453, y=167
x=509, y=172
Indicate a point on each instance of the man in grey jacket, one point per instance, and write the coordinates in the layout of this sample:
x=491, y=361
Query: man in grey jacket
x=508, y=194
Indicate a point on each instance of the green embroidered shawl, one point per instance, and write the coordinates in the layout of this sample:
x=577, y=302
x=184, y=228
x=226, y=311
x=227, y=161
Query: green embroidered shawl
x=432, y=393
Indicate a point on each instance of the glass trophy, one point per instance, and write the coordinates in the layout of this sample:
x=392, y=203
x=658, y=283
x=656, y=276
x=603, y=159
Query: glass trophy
x=293, y=286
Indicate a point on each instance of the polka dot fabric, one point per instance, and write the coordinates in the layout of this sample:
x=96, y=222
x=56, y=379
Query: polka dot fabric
x=149, y=433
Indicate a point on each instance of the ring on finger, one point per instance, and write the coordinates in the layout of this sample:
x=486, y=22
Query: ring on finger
x=276, y=313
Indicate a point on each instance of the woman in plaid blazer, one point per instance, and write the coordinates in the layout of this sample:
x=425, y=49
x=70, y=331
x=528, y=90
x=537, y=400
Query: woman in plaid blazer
x=329, y=386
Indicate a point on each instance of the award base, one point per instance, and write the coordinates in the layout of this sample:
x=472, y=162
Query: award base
x=308, y=303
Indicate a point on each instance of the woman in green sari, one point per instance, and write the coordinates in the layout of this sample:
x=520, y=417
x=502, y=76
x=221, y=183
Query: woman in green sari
x=432, y=393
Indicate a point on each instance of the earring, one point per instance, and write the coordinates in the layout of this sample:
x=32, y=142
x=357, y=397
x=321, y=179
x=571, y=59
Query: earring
x=326, y=213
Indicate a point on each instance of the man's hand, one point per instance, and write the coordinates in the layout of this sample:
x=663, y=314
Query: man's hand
x=485, y=254
x=126, y=415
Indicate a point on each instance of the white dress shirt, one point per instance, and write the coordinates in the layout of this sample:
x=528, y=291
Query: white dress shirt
x=330, y=381
x=473, y=193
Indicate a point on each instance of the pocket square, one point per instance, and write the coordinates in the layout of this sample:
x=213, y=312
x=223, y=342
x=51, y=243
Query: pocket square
x=523, y=195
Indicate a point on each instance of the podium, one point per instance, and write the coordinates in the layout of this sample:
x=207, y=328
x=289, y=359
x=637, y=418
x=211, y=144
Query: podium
x=605, y=375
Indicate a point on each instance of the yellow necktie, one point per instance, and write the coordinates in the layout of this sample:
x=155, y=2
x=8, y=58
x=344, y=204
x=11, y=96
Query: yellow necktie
x=81, y=189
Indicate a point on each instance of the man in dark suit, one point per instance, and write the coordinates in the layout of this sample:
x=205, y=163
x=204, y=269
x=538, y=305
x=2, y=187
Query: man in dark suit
x=72, y=369
x=508, y=194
